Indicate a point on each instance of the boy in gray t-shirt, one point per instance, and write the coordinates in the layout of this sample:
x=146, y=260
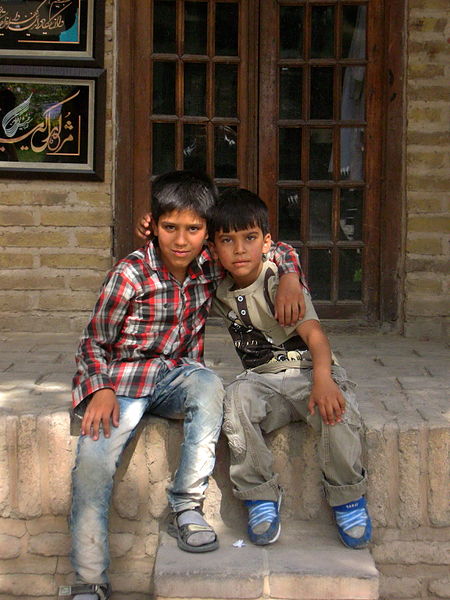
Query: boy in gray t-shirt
x=290, y=375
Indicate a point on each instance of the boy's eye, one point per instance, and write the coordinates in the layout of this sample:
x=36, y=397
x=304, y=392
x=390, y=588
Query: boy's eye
x=251, y=237
x=194, y=228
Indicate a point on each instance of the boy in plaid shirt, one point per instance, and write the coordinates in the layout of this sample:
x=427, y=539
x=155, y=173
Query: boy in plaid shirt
x=142, y=353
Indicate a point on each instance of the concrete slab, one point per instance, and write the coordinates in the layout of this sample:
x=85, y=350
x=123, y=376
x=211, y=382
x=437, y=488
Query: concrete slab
x=307, y=563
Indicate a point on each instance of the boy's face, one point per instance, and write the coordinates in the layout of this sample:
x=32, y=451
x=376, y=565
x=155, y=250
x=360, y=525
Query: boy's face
x=240, y=253
x=181, y=235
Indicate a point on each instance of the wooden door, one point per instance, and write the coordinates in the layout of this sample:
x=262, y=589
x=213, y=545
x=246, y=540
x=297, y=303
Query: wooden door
x=278, y=96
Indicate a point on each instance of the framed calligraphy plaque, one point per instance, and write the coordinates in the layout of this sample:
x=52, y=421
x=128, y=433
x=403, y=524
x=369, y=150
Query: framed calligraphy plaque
x=52, y=31
x=52, y=125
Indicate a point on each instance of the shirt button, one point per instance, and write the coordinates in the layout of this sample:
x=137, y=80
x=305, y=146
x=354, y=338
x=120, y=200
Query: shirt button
x=243, y=312
x=240, y=298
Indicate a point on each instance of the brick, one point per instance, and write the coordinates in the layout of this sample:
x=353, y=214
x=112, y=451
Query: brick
x=433, y=93
x=426, y=71
x=50, y=544
x=28, y=481
x=121, y=543
x=66, y=301
x=430, y=246
x=28, y=565
x=425, y=138
x=430, y=224
x=440, y=587
x=410, y=488
x=48, y=523
x=432, y=160
x=73, y=218
x=439, y=477
x=10, y=301
x=35, y=239
x=10, y=547
x=94, y=198
x=424, y=286
x=16, y=218
x=425, y=114
x=427, y=24
x=411, y=553
x=380, y=448
x=399, y=587
x=38, y=321
x=422, y=183
x=432, y=48
x=422, y=202
x=438, y=264
x=16, y=261
x=428, y=4
x=31, y=280
x=91, y=282
x=76, y=261
x=100, y=238
x=27, y=585
x=14, y=527
x=60, y=465
x=427, y=307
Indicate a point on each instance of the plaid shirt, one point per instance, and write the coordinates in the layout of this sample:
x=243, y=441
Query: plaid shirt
x=145, y=321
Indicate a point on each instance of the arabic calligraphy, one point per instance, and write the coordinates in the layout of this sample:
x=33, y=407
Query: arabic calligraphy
x=50, y=134
x=46, y=16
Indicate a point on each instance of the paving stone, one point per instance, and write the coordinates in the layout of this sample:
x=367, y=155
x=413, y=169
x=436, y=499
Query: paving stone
x=307, y=563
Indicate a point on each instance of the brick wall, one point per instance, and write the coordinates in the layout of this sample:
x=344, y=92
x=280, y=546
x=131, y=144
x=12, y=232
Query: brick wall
x=55, y=239
x=428, y=169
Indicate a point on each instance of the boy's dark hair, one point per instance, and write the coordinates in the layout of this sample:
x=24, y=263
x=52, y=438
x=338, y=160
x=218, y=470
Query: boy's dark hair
x=183, y=190
x=238, y=209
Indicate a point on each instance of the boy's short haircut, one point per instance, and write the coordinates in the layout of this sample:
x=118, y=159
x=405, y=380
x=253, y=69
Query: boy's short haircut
x=183, y=190
x=238, y=209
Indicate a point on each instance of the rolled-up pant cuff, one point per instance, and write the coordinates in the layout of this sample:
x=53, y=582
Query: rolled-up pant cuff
x=269, y=490
x=342, y=494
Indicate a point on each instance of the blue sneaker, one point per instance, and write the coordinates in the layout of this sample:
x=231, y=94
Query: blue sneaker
x=264, y=525
x=353, y=523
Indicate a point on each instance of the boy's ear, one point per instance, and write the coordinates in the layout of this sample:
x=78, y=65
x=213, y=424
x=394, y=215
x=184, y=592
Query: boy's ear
x=154, y=226
x=267, y=243
x=212, y=249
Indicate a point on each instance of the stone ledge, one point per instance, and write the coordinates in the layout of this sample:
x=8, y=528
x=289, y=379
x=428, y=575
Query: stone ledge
x=307, y=563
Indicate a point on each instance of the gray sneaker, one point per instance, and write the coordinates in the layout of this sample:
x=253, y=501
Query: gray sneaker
x=85, y=591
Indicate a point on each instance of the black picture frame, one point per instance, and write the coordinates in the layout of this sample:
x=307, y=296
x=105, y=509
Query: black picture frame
x=52, y=32
x=52, y=123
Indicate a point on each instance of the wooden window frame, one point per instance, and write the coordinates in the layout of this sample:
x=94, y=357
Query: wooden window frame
x=131, y=181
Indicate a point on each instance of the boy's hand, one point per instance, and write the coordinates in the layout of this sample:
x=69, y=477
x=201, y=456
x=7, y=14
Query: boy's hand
x=102, y=408
x=289, y=300
x=143, y=229
x=329, y=400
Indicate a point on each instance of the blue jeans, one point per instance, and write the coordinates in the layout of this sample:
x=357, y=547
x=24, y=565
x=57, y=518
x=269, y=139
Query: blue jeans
x=192, y=393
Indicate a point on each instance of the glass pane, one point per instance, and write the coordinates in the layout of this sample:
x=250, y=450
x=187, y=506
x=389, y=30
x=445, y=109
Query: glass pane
x=354, y=31
x=195, y=27
x=322, y=32
x=352, y=153
x=319, y=274
x=226, y=90
x=353, y=97
x=289, y=214
x=289, y=152
x=164, y=88
x=320, y=154
x=290, y=92
x=350, y=274
x=194, y=147
x=227, y=27
x=225, y=152
x=321, y=93
x=164, y=36
x=351, y=214
x=291, y=31
x=320, y=204
x=163, y=147
x=195, y=89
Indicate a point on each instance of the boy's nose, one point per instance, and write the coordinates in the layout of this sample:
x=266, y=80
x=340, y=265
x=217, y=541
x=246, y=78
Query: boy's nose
x=180, y=239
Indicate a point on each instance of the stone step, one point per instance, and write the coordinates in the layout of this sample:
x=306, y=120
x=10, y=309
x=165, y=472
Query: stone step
x=308, y=562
